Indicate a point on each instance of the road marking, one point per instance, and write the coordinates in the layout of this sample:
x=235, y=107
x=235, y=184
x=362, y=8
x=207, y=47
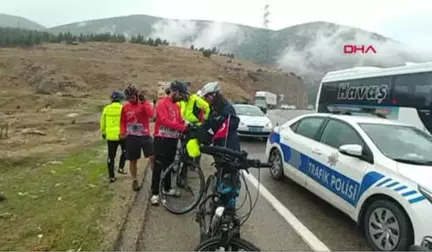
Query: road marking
x=314, y=243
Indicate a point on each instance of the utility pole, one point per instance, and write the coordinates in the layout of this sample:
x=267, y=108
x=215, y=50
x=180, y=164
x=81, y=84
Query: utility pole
x=266, y=23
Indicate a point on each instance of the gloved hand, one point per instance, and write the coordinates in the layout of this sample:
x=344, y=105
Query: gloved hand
x=103, y=136
x=188, y=129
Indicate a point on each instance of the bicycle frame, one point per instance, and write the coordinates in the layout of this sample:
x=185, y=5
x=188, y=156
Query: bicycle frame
x=223, y=220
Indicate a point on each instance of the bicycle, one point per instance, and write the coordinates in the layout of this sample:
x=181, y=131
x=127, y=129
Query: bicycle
x=178, y=171
x=216, y=215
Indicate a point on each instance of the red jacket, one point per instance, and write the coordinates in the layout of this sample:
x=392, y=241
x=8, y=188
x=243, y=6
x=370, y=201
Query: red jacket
x=201, y=116
x=169, y=122
x=135, y=119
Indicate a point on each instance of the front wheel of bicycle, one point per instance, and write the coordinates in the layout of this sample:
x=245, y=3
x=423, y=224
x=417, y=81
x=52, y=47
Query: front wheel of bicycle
x=235, y=244
x=207, y=208
x=185, y=196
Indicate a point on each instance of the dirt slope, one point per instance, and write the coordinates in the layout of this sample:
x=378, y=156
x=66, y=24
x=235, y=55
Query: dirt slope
x=96, y=68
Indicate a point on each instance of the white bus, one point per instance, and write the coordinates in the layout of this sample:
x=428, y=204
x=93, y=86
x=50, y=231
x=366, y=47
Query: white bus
x=401, y=93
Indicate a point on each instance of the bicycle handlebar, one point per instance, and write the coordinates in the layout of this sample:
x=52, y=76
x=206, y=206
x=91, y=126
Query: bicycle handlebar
x=239, y=158
x=256, y=163
x=222, y=151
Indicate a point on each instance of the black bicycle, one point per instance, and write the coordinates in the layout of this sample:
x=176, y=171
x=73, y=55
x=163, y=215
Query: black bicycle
x=183, y=175
x=216, y=215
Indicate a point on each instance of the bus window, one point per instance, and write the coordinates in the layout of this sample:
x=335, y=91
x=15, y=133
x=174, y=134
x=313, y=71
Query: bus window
x=402, y=90
x=370, y=91
x=423, y=90
x=413, y=90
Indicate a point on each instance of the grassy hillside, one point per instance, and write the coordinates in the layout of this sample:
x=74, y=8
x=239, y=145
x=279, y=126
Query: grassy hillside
x=19, y=22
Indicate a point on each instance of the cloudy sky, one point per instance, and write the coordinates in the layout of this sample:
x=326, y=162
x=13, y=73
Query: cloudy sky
x=406, y=21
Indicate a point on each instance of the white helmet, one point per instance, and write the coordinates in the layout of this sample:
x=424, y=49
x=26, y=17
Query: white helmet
x=199, y=93
x=211, y=87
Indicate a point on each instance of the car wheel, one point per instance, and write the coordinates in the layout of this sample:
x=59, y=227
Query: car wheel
x=387, y=227
x=276, y=170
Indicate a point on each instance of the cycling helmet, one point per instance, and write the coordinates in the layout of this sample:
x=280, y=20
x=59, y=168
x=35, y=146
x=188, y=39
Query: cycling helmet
x=131, y=90
x=116, y=96
x=178, y=86
x=209, y=88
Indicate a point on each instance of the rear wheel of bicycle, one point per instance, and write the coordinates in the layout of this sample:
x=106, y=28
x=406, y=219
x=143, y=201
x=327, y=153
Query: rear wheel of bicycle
x=235, y=244
x=207, y=209
x=188, y=192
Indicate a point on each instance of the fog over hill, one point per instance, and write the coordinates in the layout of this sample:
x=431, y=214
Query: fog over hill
x=309, y=50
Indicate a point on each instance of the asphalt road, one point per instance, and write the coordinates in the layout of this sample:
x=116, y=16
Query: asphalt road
x=331, y=226
x=265, y=228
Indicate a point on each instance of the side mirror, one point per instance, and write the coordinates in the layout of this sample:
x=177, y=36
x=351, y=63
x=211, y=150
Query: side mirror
x=354, y=150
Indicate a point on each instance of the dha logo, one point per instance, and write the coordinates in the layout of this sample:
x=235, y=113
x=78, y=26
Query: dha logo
x=371, y=93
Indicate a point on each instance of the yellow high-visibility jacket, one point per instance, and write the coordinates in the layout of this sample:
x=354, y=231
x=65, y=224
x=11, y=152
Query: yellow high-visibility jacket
x=110, y=121
x=191, y=109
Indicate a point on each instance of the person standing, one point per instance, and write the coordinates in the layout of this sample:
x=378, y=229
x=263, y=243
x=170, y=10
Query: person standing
x=134, y=128
x=223, y=121
x=168, y=128
x=110, y=130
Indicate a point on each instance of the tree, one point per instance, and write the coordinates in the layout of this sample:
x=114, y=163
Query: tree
x=12, y=37
x=207, y=53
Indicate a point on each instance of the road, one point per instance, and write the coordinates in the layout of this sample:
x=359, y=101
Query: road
x=266, y=228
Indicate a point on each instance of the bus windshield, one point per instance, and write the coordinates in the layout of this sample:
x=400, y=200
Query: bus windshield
x=407, y=96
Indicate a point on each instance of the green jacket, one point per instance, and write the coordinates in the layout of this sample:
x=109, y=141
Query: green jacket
x=110, y=121
x=190, y=109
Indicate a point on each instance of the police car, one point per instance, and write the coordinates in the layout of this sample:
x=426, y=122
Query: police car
x=377, y=171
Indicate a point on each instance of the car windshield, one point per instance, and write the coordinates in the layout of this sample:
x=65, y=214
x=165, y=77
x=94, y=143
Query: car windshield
x=405, y=144
x=248, y=110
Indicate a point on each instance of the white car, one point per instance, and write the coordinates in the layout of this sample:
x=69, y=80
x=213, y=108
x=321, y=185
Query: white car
x=377, y=171
x=285, y=106
x=253, y=122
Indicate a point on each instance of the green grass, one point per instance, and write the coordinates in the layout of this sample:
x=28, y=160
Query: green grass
x=56, y=206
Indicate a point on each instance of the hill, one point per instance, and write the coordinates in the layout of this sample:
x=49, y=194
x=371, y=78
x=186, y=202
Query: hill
x=310, y=49
x=94, y=69
x=19, y=22
x=257, y=44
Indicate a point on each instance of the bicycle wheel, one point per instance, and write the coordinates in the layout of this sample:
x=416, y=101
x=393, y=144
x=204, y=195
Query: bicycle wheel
x=207, y=209
x=235, y=244
x=189, y=194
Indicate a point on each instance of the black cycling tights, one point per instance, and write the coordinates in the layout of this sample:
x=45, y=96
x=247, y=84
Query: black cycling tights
x=112, y=151
x=164, y=153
